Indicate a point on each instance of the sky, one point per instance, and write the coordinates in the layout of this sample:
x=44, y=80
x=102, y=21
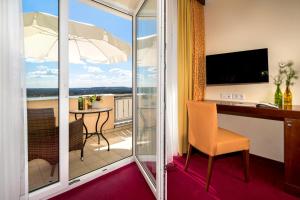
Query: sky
x=45, y=74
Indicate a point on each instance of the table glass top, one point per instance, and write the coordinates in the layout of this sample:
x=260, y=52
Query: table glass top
x=93, y=110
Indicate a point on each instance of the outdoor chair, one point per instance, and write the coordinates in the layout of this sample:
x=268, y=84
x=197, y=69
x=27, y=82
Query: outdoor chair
x=43, y=136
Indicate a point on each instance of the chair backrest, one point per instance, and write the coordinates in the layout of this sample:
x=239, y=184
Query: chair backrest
x=203, y=126
x=40, y=119
x=42, y=136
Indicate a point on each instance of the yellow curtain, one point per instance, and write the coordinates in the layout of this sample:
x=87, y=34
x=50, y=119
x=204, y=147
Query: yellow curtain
x=198, y=32
x=191, y=62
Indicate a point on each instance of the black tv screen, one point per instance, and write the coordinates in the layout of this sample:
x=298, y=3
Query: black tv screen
x=237, y=67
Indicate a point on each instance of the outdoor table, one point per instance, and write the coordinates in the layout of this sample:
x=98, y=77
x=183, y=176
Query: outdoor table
x=93, y=111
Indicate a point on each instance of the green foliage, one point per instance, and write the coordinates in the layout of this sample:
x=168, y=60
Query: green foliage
x=91, y=98
x=288, y=72
x=278, y=79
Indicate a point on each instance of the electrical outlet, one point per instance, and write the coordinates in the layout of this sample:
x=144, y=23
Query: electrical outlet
x=242, y=97
x=226, y=96
x=238, y=96
x=235, y=96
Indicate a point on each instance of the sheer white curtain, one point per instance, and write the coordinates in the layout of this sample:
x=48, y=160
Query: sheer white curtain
x=171, y=82
x=12, y=165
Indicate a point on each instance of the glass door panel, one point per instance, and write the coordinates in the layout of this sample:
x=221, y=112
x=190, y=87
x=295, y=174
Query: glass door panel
x=42, y=72
x=100, y=81
x=147, y=87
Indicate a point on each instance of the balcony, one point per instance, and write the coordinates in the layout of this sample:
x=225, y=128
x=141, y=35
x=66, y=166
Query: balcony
x=117, y=130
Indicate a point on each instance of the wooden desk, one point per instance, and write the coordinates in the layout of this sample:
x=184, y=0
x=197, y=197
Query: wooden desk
x=291, y=119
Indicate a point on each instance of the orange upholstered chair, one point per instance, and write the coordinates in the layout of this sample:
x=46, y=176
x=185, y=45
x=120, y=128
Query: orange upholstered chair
x=205, y=135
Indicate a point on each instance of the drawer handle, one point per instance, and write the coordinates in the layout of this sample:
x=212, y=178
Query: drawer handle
x=289, y=125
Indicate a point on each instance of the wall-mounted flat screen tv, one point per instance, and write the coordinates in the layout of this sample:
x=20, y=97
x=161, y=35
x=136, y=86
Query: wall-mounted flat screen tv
x=237, y=67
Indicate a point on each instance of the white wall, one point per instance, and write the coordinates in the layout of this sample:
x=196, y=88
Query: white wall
x=236, y=25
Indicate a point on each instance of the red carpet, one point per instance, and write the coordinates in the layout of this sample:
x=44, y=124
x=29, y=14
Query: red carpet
x=151, y=167
x=126, y=183
x=266, y=178
x=227, y=182
x=184, y=186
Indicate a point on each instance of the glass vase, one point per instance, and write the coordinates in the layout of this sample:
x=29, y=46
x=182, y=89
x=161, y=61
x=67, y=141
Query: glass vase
x=89, y=105
x=278, y=97
x=81, y=103
x=288, y=98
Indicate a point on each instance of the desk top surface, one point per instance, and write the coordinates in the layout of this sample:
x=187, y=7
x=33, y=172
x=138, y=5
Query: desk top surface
x=250, y=110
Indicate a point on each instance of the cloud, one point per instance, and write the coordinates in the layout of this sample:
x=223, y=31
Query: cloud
x=152, y=76
x=90, y=76
x=140, y=77
x=118, y=72
x=93, y=70
x=152, y=69
x=95, y=62
x=92, y=73
x=32, y=60
x=96, y=77
x=43, y=72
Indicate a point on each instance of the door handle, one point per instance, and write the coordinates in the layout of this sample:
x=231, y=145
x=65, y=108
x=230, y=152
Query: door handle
x=289, y=124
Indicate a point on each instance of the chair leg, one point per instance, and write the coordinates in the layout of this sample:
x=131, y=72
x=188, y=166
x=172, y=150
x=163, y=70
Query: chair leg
x=81, y=154
x=52, y=170
x=187, y=162
x=209, y=172
x=246, y=164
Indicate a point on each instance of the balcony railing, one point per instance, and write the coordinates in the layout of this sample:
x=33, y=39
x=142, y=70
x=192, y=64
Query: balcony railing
x=123, y=109
x=121, y=104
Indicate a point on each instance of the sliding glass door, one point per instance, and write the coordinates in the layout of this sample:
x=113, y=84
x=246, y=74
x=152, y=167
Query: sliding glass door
x=146, y=87
x=100, y=87
x=149, y=95
x=79, y=92
x=42, y=73
x=85, y=108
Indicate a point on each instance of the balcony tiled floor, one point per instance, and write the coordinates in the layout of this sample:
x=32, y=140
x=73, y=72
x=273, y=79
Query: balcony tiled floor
x=95, y=157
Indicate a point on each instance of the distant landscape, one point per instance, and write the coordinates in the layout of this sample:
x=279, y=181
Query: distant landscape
x=53, y=92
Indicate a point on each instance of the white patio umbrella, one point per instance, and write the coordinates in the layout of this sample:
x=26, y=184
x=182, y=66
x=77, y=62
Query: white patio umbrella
x=147, y=51
x=86, y=42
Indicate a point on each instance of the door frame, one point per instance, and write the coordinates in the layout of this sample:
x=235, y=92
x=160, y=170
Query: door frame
x=63, y=184
x=158, y=189
x=63, y=66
